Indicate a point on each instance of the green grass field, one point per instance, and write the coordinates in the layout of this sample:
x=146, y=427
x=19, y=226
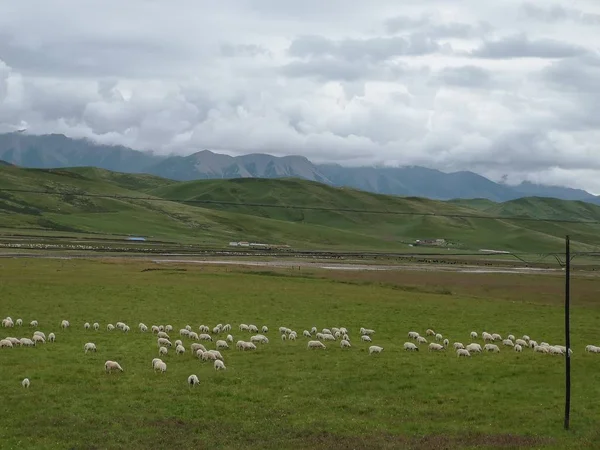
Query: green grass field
x=283, y=395
x=280, y=211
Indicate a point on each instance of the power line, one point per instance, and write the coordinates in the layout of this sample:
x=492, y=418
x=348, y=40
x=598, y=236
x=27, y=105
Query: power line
x=306, y=207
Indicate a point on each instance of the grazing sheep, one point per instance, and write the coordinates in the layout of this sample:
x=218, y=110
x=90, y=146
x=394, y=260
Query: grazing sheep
x=518, y=348
x=446, y=343
x=37, y=338
x=375, y=349
x=7, y=323
x=39, y=333
x=554, y=350
x=592, y=349
x=203, y=329
x=366, y=338
x=187, y=327
x=184, y=332
x=313, y=330
x=164, y=342
x=283, y=337
x=491, y=348
x=227, y=328
x=86, y=326
x=110, y=327
x=264, y=329
x=508, y=343
x=25, y=383
x=154, y=361
x=252, y=328
x=180, y=349
x=366, y=331
x=246, y=345
x=109, y=366
x=26, y=342
x=474, y=335
x=162, y=351
x=421, y=340
x=65, y=324
x=564, y=349
x=496, y=337
x=410, y=347
x=162, y=334
x=89, y=347
x=208, y=355
x=19, y=322
x=178, y=342
x=160, y=366
x=346, y=337
x=222, y=344
x=217, y=353
x=438, y=337
x=229, y=338
x=433, y=347
x=120, y=325
x=316, y=344
x=216, y=330
x=532, y=343
x=168, y=328
x=458, y=345
x=219, y=365
x=33, y=323
x=306, y=333
x=154, y=329
x=195, y=346
x=487, y=336
x=413, y=335
x=430, y=332
x=345, y=344
x=143, y=328
x=328, y=331
x=96, y=326
x=462, y=352
x=161, y=328
x=51, y=337
x=521, y=342
x=5, y=343
x=526, y=338
x=260, y=338
x=331, y=337
x=204, y=337
x=14, y=341
x=474, y=347
x=193, y=380
x=243, y=327
x=511, y=337
x=540, y=349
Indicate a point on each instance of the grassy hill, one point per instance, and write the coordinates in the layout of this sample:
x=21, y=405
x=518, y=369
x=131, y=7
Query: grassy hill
x=300, y=213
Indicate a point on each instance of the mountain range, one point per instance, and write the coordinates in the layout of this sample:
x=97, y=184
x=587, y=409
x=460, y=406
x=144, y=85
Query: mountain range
x=57, y=151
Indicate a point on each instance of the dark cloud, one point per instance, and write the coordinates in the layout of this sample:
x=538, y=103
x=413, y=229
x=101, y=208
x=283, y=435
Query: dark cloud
x=520, y=46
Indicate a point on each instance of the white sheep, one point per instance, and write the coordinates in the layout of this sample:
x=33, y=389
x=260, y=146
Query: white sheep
x=154, y=329
x=86, y=326
x=283, y=337
x=248, y=346
x=243, y=327
x=65, y=324
x=89, y=347
x=491, y=348
x=474, y=347
x=193, y=380
x=430, y=332
x=37, y=338
x=220, y=344
x=5, y=343
x=7, y=323
x=487, y=336
x=306, y=333
x=366, y=331
x=33, y=323
x=316, y=344
x=260, y=338
x=204, y=337
x=96, y=326
x=264, y=329
x=154, y=361
x=180, y=349
x=109, y=366
x=366, y=338
x=187, y=328
x=331, y=337
x=462, y=352
x=508, y=343
x=410, y=347
x=162, y=334
x=160, y=366
x=39, y=333
x=19, y=322
x=518, y=348
x=497, y=337
x=51, y=337
x=345, y=344
x=446, y=343
x=229, y=338
x=511, y=337
x=421, y=340
x=203, y=329
x=217, y=353
x=26, y=342
x=313, y=330
x=532, y=343
x=413, y=335
x=521, y=342
x=110, y=327
x=375, y=349
x=474, y=335
x=227, y=328
x=162, y=342
x=458, y=345
x=168, y=328
x=143, y=328
x=436, y=347
x=178, y=342
x=162, y=351
x=195, y=346
x=438, y=337
x=540, y=349
x=526, y=338
x=208, y=355
x=25, y=383
x=252, y=328
x=328, y=331
x=219, y=365
x=14, y=341
x=184, y=332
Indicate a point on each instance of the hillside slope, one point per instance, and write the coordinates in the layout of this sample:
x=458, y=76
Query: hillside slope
x=296, y=212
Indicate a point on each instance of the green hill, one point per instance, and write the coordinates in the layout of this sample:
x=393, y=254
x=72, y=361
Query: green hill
x=300, y=213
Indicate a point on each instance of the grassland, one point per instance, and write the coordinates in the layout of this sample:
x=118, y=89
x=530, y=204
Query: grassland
x=282, y=395
x=302, y=214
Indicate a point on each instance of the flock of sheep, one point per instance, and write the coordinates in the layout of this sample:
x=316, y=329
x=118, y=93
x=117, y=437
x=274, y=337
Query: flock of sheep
x=164, y=343
x=316, y=341
x=516, y=344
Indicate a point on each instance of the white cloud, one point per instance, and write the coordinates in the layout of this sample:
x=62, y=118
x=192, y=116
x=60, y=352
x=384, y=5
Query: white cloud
x=498, y=87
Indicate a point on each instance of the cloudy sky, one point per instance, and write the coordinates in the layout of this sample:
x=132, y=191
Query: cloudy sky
x=496, y=86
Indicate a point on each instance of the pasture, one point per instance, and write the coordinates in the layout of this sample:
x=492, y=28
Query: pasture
x=283, y=395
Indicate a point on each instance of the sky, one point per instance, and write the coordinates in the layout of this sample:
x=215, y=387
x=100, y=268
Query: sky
x=504, y=88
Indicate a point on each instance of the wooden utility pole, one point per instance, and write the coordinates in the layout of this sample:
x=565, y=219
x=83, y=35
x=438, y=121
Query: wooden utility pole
x=567, y=332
